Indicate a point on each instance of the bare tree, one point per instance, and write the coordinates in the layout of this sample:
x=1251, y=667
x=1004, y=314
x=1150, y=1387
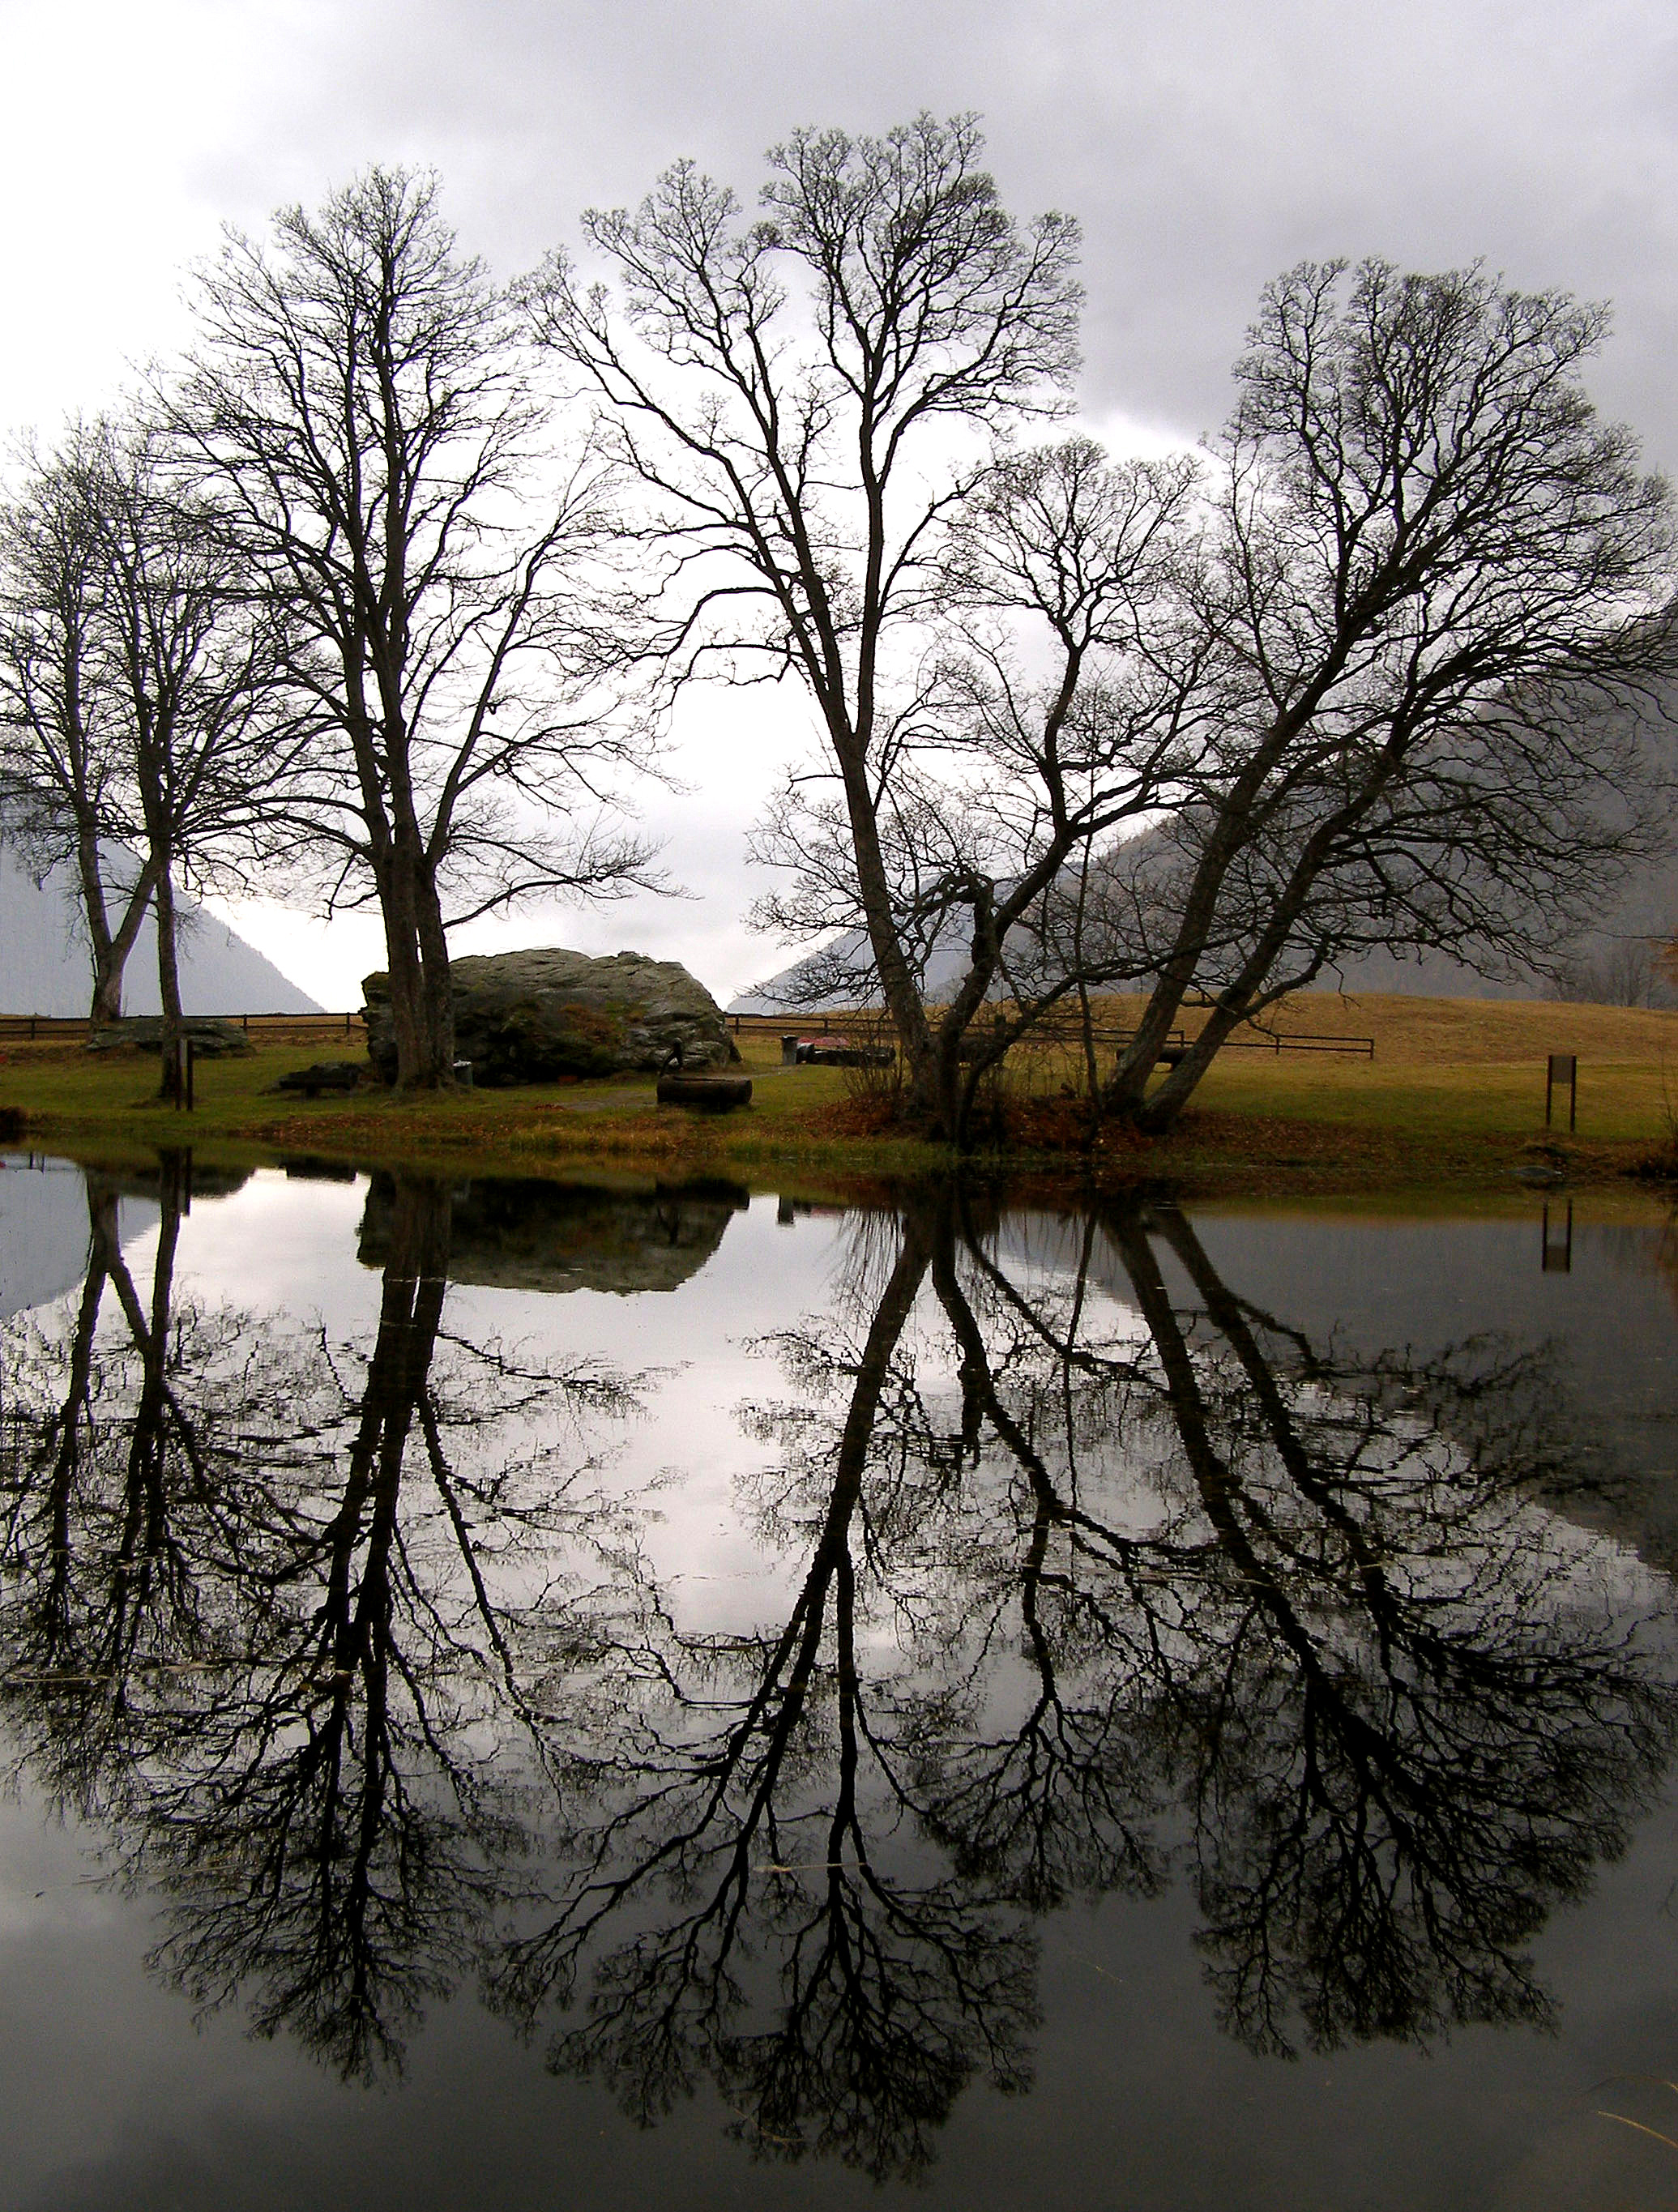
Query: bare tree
x=141, y=682
x=192, y=666
x=1391, y=683
x=805, y=398
x=66, y=794
x=1374, y=678
x=1434, y=586
x=1619, y=971
x=359, y=396
x=1067, y=697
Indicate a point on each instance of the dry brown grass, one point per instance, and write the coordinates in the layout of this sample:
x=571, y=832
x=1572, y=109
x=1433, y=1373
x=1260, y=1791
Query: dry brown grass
x=1455, y=1096
x=1467, y=1032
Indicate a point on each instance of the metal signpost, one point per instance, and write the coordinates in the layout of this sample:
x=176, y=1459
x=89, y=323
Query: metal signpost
x=1562, y=1067
x=181, y=1074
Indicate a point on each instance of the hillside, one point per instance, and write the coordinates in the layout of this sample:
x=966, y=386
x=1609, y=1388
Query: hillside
x=44, y=961
x=1609, y=965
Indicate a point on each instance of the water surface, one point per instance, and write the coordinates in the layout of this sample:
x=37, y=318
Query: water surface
x=529, y=1695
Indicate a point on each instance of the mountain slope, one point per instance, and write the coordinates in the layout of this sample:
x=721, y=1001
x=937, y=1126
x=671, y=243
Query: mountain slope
x=1610, y=962
x=44, y=967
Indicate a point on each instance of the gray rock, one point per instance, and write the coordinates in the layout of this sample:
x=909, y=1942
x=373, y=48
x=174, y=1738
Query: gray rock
x=532, y=1016
x=323, y=1075
x=214, y=1040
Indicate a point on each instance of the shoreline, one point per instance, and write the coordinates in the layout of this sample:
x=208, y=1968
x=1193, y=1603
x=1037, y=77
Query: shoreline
x=1215, y=1154
x=1451, y=1105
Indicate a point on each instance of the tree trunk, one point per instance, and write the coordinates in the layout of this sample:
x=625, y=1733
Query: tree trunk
x=107, y=970
x=122, y=943
x=436, y=996
x=109, y=949
x=417, y=959
x=897, y=985
x=1157, y=1114
x=1245, y=990
x=168, y=982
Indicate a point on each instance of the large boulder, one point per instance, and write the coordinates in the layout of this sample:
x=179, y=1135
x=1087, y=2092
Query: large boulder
x=211, y=1039
x=532, y=1016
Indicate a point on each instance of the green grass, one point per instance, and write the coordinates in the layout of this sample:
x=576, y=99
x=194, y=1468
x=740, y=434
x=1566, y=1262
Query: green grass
x=110, y=1102
x=1454, y=1096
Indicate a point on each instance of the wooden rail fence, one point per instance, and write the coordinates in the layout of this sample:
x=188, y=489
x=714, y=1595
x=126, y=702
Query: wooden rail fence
x=40, y=1029
x=861, y=1027
x=873, y=1028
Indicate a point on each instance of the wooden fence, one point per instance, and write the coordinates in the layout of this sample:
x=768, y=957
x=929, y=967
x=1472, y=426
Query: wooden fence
x=870, y=1027
x=873, y=1028
x=277, y=1029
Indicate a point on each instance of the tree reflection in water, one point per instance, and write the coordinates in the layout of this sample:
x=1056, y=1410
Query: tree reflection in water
x=1097, y=1577
x=263, y=1599
x=1405, y=1711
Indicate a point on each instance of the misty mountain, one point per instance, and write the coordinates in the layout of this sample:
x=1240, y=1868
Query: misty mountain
x=1610, y=963
x=44, y=970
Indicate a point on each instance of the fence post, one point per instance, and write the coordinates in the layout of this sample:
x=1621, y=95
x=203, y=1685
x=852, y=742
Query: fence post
x=1559, y=1068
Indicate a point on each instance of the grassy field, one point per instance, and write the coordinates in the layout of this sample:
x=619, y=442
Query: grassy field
x=1453, y=1068
x=1455, y=1094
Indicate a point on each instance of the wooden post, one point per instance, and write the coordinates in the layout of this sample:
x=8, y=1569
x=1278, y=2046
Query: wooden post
x=190, y=1062
x=1562, y=1067
x=1557, y=1257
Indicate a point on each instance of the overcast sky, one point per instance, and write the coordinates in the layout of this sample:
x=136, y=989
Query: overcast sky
x=1204, y=144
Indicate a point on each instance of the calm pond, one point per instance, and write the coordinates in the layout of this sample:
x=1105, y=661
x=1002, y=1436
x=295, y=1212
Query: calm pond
x=521, y=1694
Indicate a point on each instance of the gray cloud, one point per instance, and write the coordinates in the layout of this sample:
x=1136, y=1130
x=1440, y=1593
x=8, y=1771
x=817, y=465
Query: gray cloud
x=1205, y=144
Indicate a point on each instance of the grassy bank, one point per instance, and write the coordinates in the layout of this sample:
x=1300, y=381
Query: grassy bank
x=1454, y=1098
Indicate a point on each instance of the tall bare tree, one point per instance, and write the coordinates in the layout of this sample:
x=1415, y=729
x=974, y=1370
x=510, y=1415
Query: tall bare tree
x=144, y=706
x=1434, y=586
x=359, y=395
x=1067, y=693
x=191, y=666
x=1387, y=675
x=1380, y=683
x=64, y=786
x=804, y=398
